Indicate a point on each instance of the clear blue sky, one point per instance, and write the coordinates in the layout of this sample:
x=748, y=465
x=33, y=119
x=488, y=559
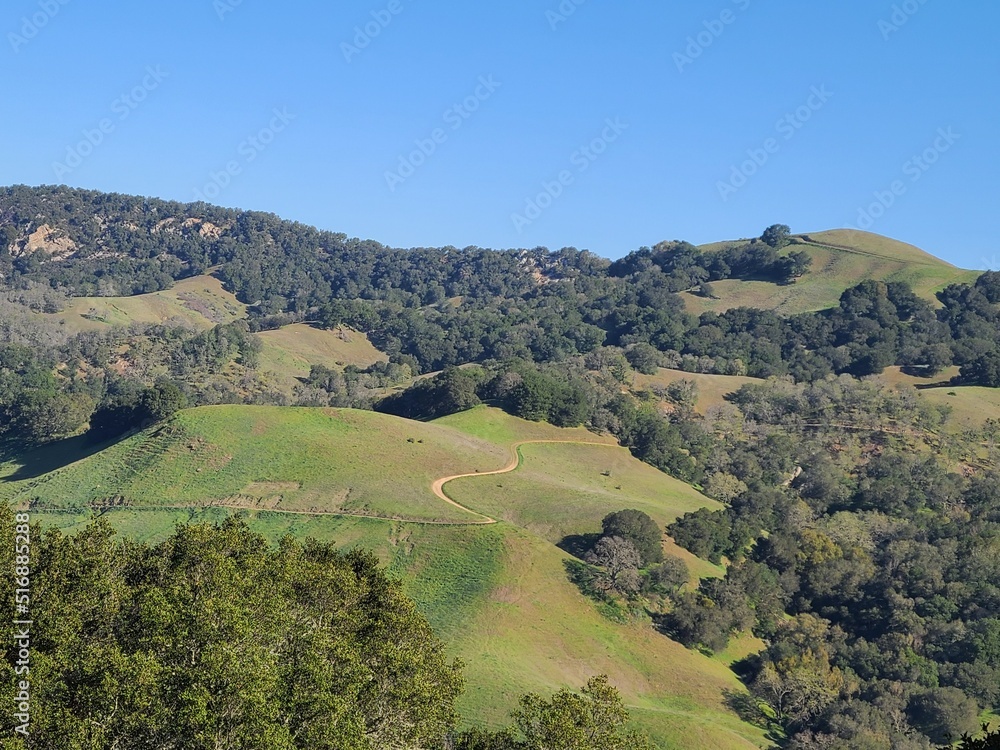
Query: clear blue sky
x=633, y=115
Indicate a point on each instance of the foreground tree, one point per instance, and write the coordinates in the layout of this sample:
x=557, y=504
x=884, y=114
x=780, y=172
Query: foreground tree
x=213, y=640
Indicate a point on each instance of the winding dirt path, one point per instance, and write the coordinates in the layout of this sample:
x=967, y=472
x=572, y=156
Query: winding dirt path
x=437, y=487
x=515, y=460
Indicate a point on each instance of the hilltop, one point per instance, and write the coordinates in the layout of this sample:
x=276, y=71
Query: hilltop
x=841, y=259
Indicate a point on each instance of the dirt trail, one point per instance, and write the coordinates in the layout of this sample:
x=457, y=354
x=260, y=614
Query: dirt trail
x=437, y=487
x=515, y=460
x=805, y=239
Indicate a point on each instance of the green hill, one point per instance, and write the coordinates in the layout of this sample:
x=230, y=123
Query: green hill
x=841, y=259
x=497, y=593
x=199, y=301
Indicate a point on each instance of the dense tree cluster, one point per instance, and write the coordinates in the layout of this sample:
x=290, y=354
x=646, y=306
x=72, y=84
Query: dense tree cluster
x=625, y=564
x=874, y=548
x=443, y=307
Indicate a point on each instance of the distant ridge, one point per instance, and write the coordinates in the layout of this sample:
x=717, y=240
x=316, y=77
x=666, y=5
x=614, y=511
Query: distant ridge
x=842, y=258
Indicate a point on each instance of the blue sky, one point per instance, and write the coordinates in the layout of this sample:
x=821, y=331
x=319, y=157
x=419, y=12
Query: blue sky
x=597, y=125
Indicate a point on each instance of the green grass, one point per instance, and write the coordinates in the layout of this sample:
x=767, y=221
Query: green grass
x=497, y=594
x=712, y=389
x=289, y=352
x=971, y=405
x=199, y=301
x=535, y=632
x=497, y=426
x=841, y=258
x=307, y=460
x=562, y=490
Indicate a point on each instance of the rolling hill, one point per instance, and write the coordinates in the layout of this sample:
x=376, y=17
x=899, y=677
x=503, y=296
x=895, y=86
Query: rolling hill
x=497, y=593
x=841, y=259
x=201, y=302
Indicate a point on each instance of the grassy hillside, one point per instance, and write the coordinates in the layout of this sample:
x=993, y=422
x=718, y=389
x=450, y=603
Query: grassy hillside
x=566, y=489
x=306, y=460
x=841, y=259
x=712, y=389
x=289, y=352
x=896, y=376
x=199, y=301
x=498, y=594
x=970, y=406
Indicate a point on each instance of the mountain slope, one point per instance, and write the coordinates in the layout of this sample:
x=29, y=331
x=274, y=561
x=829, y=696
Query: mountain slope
x=841, y=259
x=498, y=594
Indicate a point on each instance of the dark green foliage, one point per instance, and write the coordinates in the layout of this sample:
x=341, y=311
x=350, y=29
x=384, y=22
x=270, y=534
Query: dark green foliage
x=667, y=578
x=776, y=236
x=989, y=286
x=35, y=406
x=535, y=393
x=990, y=740
x=480, y=739
x=638, y=528
x=984, y=370
x=796, y=264
x=944, y=714
x=452, y=391
x=593, y=719
x=444, y=307
x=704, y=533
x=136, y=410
x=211, y=638
x=698, y=622
x=644, y=358
x=656, y=441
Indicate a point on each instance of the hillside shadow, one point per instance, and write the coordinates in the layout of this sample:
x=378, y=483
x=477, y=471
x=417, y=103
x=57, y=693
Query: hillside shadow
x=746, y=707
x=578, y=545
x=35, y=462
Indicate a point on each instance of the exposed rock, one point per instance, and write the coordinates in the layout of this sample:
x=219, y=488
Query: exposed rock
x=49, y=240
